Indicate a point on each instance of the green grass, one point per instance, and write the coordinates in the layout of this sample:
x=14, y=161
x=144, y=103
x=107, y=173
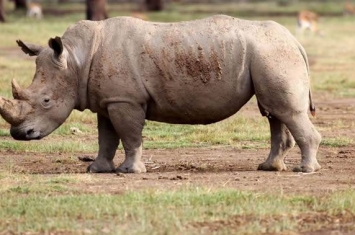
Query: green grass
x=36, y=204
x=232, y=131
x=338, y=141
x=55, y=145
x=236, y=131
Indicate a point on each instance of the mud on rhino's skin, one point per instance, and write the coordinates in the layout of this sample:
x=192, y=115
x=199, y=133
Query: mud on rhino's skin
x=127, y=70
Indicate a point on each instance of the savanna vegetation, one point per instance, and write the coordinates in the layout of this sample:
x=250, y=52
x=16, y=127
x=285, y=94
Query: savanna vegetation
x=39, y=204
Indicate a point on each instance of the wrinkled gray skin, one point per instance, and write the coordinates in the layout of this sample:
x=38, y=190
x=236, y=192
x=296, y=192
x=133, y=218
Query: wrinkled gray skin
x=127, y=70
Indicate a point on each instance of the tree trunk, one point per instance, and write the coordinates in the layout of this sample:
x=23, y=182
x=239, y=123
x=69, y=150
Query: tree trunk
x=154, y=5
x=96, y=10
x=2, y=11
x=20, y=4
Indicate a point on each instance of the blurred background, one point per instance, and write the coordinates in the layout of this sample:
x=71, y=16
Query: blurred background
x=53, y=15
x=170, y=10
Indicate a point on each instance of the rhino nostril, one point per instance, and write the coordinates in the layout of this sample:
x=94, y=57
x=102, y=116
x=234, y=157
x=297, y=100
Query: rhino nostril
x=30, y=131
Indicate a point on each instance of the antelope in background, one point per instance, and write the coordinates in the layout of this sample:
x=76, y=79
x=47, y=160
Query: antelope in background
x=307, y=20
x=34, y=10
x=140, y=12
x=349, y=9
x=140, y=15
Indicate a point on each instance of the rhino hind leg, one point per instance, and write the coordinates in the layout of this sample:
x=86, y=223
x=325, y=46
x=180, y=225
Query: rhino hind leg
x=281, y=142
x=132, y=162
x=108, y=142
x=128, y=121
x=308, y=140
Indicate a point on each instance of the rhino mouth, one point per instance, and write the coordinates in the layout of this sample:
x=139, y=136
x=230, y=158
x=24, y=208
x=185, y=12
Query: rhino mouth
x=28, y=134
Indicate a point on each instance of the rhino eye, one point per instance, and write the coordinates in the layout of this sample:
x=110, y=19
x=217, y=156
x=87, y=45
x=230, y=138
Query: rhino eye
x=46, y=102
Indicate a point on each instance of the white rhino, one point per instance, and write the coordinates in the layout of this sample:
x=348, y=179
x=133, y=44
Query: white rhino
x=127, y=70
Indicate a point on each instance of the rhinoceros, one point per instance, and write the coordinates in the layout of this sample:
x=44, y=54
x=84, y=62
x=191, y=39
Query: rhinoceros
x=197, y=72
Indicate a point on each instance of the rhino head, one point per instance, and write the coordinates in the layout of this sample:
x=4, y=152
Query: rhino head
x=39, y=109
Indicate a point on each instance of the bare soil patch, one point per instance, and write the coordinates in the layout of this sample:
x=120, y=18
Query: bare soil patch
x=219, y=167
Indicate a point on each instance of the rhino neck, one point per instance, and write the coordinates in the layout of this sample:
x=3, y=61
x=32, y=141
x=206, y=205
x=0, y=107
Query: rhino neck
x=82, y=50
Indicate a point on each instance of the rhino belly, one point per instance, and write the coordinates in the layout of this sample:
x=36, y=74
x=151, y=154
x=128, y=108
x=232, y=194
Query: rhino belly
x=197, y=106
x=194, y=115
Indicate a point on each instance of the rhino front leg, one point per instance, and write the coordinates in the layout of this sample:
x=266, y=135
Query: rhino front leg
x=281, y=142
x=108, y=142
x=128, y=120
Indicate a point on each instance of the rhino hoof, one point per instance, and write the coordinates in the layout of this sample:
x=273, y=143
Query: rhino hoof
x=276, y=166
x=304, y=169
x=307, y=168
x=136, y=168
x=94, y=168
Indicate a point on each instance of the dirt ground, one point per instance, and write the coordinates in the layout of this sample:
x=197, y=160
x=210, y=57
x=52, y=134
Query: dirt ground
x=219, y=167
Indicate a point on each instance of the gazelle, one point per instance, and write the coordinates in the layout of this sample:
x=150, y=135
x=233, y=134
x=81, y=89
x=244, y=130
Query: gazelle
x=139, y=15
x=34, y=10
x=307, y=20
x=349, y=8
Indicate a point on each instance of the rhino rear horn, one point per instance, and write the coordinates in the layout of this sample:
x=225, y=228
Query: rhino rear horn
x=18, y=92
x=30, y=49
x=57, y=45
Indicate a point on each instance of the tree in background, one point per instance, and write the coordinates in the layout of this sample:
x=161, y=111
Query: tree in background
x=2, y=11
x=20, y=4
x=96, y=10
x=154, y=5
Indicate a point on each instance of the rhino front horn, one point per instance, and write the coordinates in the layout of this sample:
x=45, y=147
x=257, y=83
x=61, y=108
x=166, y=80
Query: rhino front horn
x=13, y=111
x=17, y=91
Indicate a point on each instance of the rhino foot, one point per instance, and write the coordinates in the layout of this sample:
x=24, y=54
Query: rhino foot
x=101, y=167
x=137, y=167
x=307, y=168
x=274, y=166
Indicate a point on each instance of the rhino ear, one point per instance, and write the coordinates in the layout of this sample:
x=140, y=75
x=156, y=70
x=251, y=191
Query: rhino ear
x=57, y=45
x=30, y=49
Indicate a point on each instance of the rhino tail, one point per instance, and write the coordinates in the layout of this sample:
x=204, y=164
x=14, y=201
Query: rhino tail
x=312, y=107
